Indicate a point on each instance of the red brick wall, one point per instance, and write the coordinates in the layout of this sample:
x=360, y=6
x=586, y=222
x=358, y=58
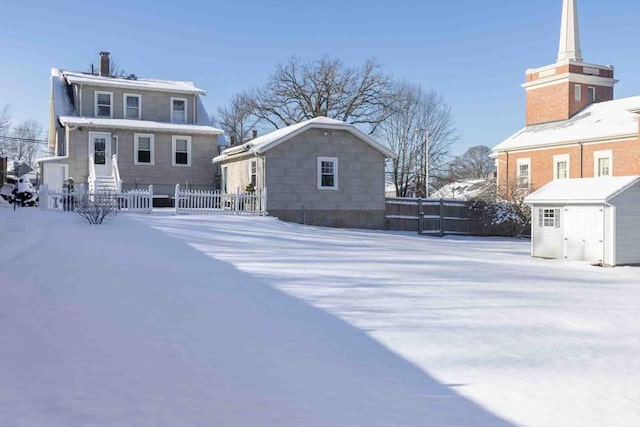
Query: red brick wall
x=547, y=104
x=626, y=161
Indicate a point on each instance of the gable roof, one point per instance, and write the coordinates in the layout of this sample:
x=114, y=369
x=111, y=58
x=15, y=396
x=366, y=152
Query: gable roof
x=582, y=190
x=266, y=142
x=600, y=121
x=143, y=84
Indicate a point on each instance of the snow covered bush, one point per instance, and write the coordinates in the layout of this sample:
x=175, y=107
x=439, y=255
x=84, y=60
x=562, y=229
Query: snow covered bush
x=95, y=208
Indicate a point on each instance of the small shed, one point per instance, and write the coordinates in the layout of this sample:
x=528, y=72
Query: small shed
x=318, y=172
x=587, y=219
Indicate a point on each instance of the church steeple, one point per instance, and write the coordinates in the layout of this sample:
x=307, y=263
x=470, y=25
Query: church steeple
x=561, y=90
x=569, y=48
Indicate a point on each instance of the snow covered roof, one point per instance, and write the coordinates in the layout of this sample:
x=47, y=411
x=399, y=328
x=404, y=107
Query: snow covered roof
x=465, y=189
x=61, y=101
x=603, y=120
x=138, y=125
x=148, y=84
x=582, y=190
x=270, y=140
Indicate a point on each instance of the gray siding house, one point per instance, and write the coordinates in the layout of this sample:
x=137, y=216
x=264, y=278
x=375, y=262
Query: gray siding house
x=320, y=172
x=588, y=219
x=122, y=133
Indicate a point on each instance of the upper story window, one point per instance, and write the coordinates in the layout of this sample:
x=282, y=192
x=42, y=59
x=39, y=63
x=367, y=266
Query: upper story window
x=577, y=93
x=143, y=149
x=178, y=110
x=602, y=163
x=327, y=173
x=561, y=166
x=592, y=94
x=132, y=106
x=104, y=104
x=523, y=168
x=181, y=150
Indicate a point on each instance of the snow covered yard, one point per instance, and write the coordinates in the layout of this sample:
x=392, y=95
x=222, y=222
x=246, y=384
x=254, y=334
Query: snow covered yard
x=237, y=321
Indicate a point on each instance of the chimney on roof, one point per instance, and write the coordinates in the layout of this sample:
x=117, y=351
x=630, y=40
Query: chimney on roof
x=104, y=64
x=254, y=134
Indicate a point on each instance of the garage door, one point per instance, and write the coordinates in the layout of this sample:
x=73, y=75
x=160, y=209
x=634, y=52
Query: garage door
x=583, y=233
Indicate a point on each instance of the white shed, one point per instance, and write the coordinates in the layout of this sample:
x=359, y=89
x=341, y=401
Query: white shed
x=588, y=219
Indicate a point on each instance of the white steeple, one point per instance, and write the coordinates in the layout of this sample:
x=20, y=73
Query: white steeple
x=569, y=33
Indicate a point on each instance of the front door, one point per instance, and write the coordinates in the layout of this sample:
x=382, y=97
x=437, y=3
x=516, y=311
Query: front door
x=100, y=149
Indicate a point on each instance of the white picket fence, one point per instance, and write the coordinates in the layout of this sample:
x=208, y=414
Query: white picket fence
x=218, y=202
x=139, y=201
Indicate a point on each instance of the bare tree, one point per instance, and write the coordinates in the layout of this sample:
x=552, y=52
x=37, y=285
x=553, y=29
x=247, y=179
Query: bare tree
x=25, y=141
x=236, y=119
x=5, y=125
x=420, y=130
x=509, y=207
x=95, y=208
x=298, y=91
x=475, y=163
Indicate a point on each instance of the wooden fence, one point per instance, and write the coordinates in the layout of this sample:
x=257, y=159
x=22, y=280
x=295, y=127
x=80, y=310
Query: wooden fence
x=217, y=202
x=441, y=217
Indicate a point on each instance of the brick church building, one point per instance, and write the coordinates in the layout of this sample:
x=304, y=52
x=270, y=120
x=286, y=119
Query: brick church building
x=574, y=126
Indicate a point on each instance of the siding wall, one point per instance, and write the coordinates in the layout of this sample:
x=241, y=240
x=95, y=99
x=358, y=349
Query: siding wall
x=156, y=106
x=627, y=247
x=547, y=242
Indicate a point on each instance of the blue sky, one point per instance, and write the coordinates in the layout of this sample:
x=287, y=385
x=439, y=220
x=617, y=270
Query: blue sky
x=473, y=52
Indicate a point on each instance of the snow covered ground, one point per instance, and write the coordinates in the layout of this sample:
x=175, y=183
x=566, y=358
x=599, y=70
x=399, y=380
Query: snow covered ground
x=238, y=321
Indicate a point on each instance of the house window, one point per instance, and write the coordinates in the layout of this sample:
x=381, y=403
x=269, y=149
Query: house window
x=132, y=106
x=181, y=150
x=143, y=149
x=103, y=104
x=524, y=172
x=327, y=173
x=254, y=169
x=178, y=110
x=592, y=94
x=549, y=218
x=577, y=93
x=602, y=163
x=561, y=166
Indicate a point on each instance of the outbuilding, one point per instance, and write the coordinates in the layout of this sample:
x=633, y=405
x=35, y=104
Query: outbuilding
x=588, y=219
x=319, y=172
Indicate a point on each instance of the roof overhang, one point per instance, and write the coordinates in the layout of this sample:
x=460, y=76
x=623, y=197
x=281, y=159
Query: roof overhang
x=142, y=125
x=141, y=84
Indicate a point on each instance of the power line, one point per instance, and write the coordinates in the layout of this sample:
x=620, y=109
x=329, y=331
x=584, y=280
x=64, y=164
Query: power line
x=15, y=138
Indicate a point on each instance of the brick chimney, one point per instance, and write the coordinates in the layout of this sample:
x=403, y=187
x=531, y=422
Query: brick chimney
x=254, y=133
x=104, y=64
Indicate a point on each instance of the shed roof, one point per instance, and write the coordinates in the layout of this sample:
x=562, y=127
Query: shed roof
x=270, y=140
x=603, y=120
x=582, y=190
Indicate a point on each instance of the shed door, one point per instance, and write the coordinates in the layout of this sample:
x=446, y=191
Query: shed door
x=583, y=233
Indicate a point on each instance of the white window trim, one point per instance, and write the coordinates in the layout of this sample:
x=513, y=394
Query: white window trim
x=523, y=161
x=577, y=93
x=95, y=103
x=174, y=138
x=561, y=158
x=124, y=106
x=591, y=99
x=253, y=173
x=555, y=217
x=335, y=172
x=152, y=145
x=602, y=154
x=186, y=108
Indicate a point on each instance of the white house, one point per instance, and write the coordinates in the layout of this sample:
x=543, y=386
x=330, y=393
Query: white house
x=588, y=219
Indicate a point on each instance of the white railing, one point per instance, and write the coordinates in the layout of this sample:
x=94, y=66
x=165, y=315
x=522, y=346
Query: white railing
x=92, y=175
x=196, y=201
x=139, y=201
x=115, y=172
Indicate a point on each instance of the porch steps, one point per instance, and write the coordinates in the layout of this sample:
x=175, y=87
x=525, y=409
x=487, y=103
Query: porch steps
x=105, y=184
